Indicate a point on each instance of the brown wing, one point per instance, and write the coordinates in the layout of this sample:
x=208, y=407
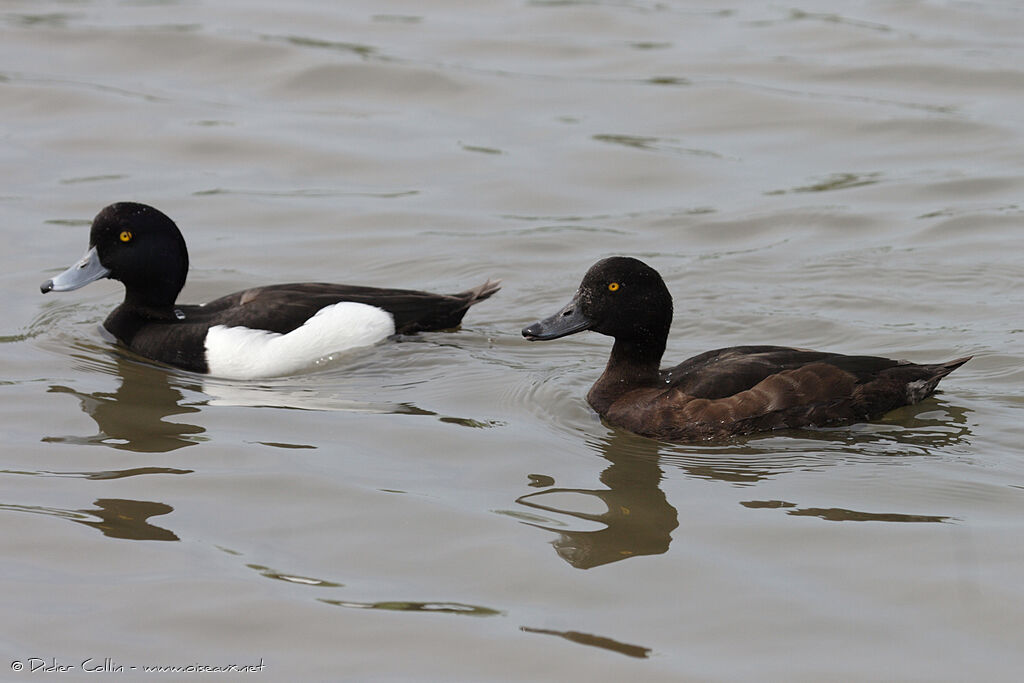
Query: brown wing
x=785, y=388
x=725, y=372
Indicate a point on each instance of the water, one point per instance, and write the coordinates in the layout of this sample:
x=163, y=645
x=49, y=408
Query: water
x=844, y=176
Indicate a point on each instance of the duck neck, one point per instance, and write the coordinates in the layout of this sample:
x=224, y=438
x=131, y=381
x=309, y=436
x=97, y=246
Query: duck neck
x=633, y=364
x=148, y=306
x=152, y=287
x=125, y=321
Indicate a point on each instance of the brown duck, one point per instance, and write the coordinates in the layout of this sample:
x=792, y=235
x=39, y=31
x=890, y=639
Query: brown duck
x=736, y=390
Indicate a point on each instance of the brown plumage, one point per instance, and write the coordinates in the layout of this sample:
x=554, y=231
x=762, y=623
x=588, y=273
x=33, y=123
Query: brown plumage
x=737, y=390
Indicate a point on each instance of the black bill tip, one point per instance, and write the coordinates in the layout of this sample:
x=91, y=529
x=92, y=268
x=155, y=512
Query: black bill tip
x=569, y=320
x=532, y=332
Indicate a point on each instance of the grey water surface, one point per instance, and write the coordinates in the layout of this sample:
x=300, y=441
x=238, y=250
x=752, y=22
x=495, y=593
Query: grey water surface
x=845, y=176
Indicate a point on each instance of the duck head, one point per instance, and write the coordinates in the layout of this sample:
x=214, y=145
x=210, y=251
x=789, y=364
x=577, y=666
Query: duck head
x=621, y=297
x=137, y=245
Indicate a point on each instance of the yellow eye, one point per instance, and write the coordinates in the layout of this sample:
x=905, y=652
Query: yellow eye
x=613, y=286
x=126, y=236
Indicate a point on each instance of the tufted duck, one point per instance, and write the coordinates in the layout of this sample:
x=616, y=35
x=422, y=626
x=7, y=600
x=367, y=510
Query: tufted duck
x=737, y=390
x=259, y=332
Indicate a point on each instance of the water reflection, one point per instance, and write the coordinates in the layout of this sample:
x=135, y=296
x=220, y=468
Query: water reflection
x=925, y=428
x=406, y=606
x=637, y=519
x=633, y=517
x=594, y=641
x=101, y=474
x=385, y=605
x=844, y=515
x=318, y=391
x=120, y=518
x=270, y=573
x=132, y=417
x=115, y=517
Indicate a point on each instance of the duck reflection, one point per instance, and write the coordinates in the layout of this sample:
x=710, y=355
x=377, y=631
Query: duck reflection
x=637, y=519
x=132, y=417
x=844, y=515
x=114, y=517
x=120, y=518
x=921, y=429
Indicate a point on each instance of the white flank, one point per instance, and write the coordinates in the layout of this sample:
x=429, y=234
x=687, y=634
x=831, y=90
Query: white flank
x=244, y=353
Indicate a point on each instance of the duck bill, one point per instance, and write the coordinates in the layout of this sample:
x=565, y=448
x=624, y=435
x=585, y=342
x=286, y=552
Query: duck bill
x=88, y=269
x=567, y=321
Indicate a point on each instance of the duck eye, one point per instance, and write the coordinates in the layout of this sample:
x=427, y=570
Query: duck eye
x=613, y=286
x=126, y=236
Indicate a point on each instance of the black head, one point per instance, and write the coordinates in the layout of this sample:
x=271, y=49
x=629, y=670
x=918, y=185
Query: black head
x=136, y=244
x=619, y=296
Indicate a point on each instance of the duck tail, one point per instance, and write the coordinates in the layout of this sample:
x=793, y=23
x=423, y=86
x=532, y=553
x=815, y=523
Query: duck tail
x=921, y=388
x=950, y=366
x=446, y=310
x=478, y=293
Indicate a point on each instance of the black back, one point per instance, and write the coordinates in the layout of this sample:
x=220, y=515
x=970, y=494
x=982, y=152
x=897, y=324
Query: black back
x=143, y=248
